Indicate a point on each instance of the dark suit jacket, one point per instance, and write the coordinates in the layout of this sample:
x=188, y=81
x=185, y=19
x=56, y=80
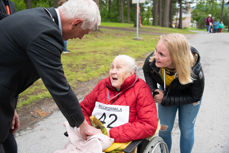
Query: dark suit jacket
x=3, y=9
x=31, y=45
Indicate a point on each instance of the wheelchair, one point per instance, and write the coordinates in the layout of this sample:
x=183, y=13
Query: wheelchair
x=154, y=144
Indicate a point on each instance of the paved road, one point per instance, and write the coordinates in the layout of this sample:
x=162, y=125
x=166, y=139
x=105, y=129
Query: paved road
x=212, y=124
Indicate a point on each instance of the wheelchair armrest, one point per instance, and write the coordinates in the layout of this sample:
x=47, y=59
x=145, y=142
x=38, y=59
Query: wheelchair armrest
x=130, y=148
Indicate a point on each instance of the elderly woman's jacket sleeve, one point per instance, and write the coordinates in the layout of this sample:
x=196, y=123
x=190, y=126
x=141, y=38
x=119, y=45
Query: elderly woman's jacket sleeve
x=145, y=124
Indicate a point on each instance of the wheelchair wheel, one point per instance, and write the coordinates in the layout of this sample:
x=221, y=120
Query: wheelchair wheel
x=156, y=145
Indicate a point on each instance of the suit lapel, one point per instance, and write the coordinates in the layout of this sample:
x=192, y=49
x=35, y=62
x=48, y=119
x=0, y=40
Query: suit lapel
x=54, y=14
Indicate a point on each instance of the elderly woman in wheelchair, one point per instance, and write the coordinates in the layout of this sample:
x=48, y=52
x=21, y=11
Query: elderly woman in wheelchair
x=123, y=103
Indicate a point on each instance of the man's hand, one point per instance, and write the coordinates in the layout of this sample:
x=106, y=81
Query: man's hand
x=87, y=130
x=15, y=122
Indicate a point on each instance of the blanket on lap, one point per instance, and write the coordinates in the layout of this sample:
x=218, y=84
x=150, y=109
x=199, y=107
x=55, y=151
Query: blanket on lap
x=94, y=144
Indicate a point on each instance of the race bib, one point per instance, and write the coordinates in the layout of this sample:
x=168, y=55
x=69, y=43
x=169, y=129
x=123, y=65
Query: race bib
x=111, y=115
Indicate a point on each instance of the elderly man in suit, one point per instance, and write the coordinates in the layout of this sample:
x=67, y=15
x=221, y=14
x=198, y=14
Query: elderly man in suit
x=31, y=45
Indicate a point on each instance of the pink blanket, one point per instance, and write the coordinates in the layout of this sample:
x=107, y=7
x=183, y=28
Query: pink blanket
x=94, y=144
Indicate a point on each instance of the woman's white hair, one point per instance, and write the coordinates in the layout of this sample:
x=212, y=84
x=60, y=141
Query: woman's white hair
x=131, y=64
x=87, y=10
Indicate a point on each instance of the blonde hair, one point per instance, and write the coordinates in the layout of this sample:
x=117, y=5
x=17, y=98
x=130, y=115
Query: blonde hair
x=181, y=56
x=87, y=10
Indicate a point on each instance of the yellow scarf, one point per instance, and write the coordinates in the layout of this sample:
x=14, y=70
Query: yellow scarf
x=168, y=78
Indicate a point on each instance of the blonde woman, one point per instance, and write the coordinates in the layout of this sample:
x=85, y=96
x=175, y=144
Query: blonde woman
x=174, y=74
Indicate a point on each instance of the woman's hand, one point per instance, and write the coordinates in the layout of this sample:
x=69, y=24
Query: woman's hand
x=159, y=96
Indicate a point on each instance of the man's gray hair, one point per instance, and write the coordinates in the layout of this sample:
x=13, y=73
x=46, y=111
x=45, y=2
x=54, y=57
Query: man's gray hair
x=131, y=64
x=87, y=10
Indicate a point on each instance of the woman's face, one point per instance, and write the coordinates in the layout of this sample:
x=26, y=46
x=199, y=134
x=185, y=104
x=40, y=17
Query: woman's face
x=162, y=56
x=118, y=73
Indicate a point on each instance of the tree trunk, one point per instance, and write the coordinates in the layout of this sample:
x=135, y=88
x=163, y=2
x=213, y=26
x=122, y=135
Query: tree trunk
x=166, y=13
x=155, y=12
x=28, y=4
x=180, y=14
x=222, y=7
x=121, y=10
x=128, y=11
x=109, y=8
x=171, y=14
x=160, y=12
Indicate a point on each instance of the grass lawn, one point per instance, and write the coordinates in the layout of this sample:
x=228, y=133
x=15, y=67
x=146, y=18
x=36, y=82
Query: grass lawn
x=92, y=56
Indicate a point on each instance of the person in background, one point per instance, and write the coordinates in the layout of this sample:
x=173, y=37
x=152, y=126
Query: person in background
x=31, y=45
x=209, y=23
x=65, y=47
x=7, y=8
x=221, y=26
x=174, y=74
x=123, y=103
x=216, y=26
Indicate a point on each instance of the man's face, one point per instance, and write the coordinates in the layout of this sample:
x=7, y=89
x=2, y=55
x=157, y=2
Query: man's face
x=78, y=32
x=75, y=30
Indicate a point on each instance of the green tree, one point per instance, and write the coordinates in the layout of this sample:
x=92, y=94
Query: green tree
x=19, y=4
x=109, y=10
x=23, y=4
x=222, y=7
x=226, y=17
x=147, y=15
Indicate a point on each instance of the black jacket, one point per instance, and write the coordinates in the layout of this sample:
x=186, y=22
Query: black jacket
x=3, y=8
x=31, y=45
x=176, y=93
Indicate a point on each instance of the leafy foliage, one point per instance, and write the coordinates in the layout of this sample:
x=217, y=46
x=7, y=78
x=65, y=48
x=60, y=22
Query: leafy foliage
x=19, y=4
x=112, y=14
x=147, y=15
x=226, y=16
